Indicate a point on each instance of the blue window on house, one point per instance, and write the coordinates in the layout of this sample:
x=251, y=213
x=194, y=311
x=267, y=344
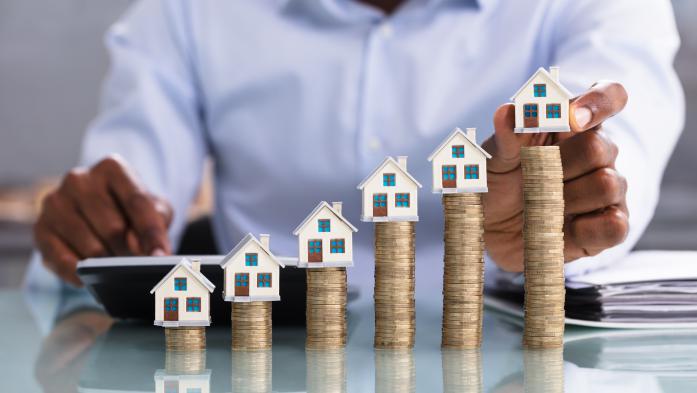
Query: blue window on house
x=337, y=246
x=388, y=180
x=323, y=225
x=241, y=279
x=251, y=259
x=171, y=304
x=471, y=171
x=193, y=304
x=402, y=200
x=530, y=110
x=553, y=111
x=180, y=284
x=379, y=200
x=540, y=90
x=264, y=280
x=459, y=151
x=448, y=172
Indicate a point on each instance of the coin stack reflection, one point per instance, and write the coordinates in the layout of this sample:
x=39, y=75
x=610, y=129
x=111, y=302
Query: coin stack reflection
x=326, y=371
x=251, y=326
x=326, y=308
x=462, y=370
x=394, y=371
x=543, y=370
x=251, y=371
x=185, y=362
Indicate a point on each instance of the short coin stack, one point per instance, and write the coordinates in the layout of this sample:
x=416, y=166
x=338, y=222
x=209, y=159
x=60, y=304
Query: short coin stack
x=185, y=362
x=394, y=285
x=185, y=338
x=395, y=371
x=462, y=370
x=326, y=371
x=251, y=326
x=543, y=370
x=543, y=235
x=463, y=272
x=326, y=308
x=251, y=371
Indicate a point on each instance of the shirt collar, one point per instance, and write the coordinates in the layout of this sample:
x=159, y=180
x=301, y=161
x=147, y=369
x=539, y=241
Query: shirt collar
x=352, y=9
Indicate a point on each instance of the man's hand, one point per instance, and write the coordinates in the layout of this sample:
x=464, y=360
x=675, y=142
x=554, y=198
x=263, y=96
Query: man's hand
x=596, y=216
x=97, y=212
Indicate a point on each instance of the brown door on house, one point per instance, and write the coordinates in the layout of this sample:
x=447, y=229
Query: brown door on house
x=379, y=205
x=241, y=284
x=530, y=118
x=314, y=250
x=171, y=309
x=449, y=176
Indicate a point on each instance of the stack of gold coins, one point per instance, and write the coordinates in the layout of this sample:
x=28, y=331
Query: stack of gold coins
x=251, y=371
x=462, y=370
x=543, y=236
x=394, y=285
x=326, y=371
x=185, y=362
x=251, y=326
x=463, y=271
x=185, y=338
x=394, y=371
x=543, y=370
x=326, y=308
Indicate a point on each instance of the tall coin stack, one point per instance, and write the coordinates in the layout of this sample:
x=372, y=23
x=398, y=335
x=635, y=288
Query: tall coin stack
x=543, y=235
x=251, y=371
x=462, y=370
x=326, y=371
x=185, y=338
x=463, y=272
x=394, y=285
x=251, y=326
x=395, y=371
x=543, y=370
x=326, y=308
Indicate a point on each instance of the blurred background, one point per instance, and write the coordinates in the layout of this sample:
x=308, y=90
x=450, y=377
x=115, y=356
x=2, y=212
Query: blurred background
x=52, y=62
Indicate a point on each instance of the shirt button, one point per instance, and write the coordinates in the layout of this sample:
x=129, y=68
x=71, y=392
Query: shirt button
x=386, y=30
x=374, y=143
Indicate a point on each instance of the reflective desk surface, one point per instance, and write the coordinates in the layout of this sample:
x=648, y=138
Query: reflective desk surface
x=85, y=352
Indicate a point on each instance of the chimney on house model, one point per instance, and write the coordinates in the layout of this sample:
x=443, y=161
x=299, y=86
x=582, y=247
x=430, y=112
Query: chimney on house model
x=337, y=207
x=554, y=71
x=264, y=240
x=472, y=134
x=402, y=161
x=196, y=265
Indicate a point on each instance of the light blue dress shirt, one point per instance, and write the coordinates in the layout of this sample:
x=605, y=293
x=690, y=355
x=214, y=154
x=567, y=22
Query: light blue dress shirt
x=297, y=100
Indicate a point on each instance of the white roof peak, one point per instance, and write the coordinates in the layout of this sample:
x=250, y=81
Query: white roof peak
x=316, y=210
x=186, y=264
x=248, y=238
x=550, y=77
x=382, y=165
x=457, y=131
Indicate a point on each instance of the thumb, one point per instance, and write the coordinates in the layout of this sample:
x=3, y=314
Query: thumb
x=504, y=145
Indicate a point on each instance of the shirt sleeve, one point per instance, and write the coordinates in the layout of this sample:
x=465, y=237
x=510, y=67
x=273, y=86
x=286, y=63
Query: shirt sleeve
x=150, y=112
x=635, y=45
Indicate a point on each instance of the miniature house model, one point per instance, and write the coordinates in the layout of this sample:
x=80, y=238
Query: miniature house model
x=459, y=164
x=182, y=297
x=390, y=193
x=325, y=238
x=251, y=271
x=199, y=382
x=542, y=104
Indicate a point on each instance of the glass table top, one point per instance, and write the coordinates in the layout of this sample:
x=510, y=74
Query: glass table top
x=86, y=352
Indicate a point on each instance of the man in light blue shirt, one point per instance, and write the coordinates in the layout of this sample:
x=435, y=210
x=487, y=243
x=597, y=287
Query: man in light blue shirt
x=297, y=100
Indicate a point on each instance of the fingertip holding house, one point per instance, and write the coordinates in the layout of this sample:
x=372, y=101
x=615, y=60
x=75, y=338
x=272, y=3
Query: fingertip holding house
x=182, y=297
x=325, y=238
x=251, y=271
x=390, y=193
x=459, y=164
x=542, y=103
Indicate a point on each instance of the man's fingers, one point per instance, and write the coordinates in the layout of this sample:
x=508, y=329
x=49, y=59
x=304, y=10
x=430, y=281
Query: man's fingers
x=602, y=101
x=595, y=232
x=586, y=152
x=57, y=256
x=504, y=145
x=71, y=228
x=597, y=190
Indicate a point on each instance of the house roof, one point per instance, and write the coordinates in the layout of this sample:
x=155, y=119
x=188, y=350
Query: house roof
x=379, y=168
x=317, y=210
x=452, y=135
x=248, y=238
x=544, y=72
x=187, y=265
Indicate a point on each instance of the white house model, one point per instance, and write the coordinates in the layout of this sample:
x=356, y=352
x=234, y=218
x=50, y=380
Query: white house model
x=459, y=164
x=251, y=271
x=199, y=382
x=390, y=193
x=542, y=104
x=325, y=238
x=182, y=297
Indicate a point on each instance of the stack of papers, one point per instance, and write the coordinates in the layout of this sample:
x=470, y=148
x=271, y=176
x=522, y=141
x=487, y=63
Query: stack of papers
x=646, y=289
